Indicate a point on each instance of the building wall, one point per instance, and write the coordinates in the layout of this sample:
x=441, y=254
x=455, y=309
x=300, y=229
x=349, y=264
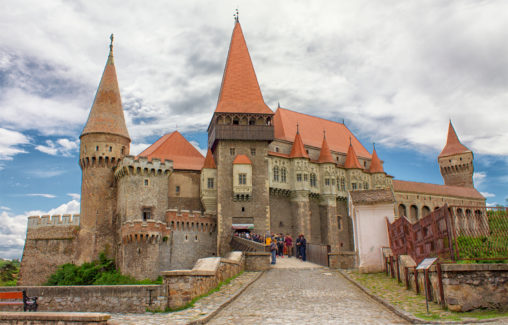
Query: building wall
x=315, y=222
x=257, y=208
x=281, y=218
x=188, y=198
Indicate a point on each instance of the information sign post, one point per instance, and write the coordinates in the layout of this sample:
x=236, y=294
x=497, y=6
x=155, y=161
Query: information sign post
x=425, y=265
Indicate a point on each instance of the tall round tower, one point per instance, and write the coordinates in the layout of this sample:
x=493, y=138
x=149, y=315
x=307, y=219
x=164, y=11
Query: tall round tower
x=104, y=142
x=456, y=161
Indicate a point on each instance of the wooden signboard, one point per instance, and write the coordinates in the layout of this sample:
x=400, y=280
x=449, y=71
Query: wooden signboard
x=426, y=263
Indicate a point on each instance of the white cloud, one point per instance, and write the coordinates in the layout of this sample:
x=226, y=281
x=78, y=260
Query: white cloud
x=10, y=142
x=479, y=178
x=487, y=194
x=45, y=173
x=48, y=196
x=5, y=208
x=493, y=204
x=137, y=148
x=75, y=196
x=13, y=228
x=63, y=147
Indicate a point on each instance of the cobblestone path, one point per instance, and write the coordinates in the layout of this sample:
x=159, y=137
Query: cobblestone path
x=304, y=295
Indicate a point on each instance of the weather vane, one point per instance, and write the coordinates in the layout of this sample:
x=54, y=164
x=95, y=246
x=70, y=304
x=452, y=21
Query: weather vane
x=112, y=37
x=297, y=128
x=236, y=15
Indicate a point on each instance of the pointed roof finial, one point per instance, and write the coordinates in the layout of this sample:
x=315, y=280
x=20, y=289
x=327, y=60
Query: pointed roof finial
x=111, y=37
x=324, y=133
x=297, y=128
x=350, y=141
x=278, y=104
x=236, y=15
x=374, y=145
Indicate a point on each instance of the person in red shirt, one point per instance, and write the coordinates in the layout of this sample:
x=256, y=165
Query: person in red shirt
x=289, y=245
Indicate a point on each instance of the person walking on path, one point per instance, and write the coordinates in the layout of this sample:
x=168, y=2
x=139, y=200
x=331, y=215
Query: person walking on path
x=273, y=250
x=289, y=244
x=298, y=244
x=303, y=247
x=280, y=245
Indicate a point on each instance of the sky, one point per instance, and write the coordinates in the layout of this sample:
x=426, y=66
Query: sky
x=396, y=72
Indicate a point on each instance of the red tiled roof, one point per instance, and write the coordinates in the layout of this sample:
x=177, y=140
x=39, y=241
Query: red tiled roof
x=278, y=154
x=352, y=159
x=445, y=190
x=338, y=134
x=106, y=115
x=240, y=90
x=324, y=155
x=453, y=145
x=209, y=161
x=173, y=146
x=298, y=149
x=375, y=164
x=242, y=159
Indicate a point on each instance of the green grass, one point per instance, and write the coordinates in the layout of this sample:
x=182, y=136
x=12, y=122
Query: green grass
x=191, y=303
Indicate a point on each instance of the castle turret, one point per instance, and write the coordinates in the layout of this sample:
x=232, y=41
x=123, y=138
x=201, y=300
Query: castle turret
x=104, y=142
x=456, y=161
x=377, y=171
x=354, y=170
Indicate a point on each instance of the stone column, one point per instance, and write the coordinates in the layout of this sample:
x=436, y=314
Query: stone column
x=300, y=207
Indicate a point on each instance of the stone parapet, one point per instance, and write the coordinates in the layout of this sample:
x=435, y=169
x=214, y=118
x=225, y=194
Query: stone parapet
x=65, y=220
x=257, y=261
x=131, y=165
x=185, y=220
x=342, y=260
x=149, y=231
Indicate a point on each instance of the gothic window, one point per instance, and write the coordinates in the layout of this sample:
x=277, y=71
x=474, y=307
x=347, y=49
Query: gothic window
x=210, y=182
x=298, y=177
x=365, y=186
x=353, y=186
x=147, y=213
x=242, y=179
x=327, y=181
x=313, y=180
x=253, y=151
x=343, y=183
x=283, y=174
x=232, y=151
x=177, y=189
x=276, y=174
x=305, y=177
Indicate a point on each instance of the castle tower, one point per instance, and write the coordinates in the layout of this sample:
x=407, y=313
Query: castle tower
x=456, y=161
x=377, y=171
x=241, y=125
x=354, y=168
x=104, y=142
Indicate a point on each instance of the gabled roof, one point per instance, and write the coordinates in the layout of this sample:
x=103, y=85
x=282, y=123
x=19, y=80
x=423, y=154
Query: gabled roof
x=173, y=146
x=298, y=149
x=325, y=155
x=106, y=115
x=453, y=145
x=240, y=92
x=209, y=161
x=445, y=190
x=242, y=159
x=375, y=164
x=338, y=134
x=352, y=159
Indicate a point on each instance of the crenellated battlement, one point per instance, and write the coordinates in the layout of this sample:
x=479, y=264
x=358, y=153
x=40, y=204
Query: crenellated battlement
x=66, y=220
x=131, y=165
x=190, y=221
x=150, y=231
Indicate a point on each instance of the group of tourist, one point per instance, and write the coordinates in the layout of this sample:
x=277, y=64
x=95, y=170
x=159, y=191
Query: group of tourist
x=251, y=236
x=281, y=245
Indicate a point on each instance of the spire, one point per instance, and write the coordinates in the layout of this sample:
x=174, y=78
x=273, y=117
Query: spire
x=375, y=164
x=298, y=149
x=325, y=156
x=106, y=115
x=352, y=159
x=453, y=145
x=209, y=161
x=240, y=92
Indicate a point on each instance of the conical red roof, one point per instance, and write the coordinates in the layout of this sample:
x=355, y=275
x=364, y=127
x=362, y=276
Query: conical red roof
x=240, y=92
x=298, y=149
x=106, y=115
x=325, y=156
x=209, y=161
x=351, y=159
x=375, y=164
x=173, y=146
x=453, y=145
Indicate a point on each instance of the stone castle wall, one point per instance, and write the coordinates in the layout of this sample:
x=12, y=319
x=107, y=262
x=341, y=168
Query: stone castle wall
x=188, y=196
x=50, y=241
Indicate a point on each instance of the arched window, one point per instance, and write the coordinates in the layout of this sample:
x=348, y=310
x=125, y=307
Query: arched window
x=313, y=180
x=414, y=213
x=276, y=174
x=402, y=210
x=425, y=211
x=283, y=174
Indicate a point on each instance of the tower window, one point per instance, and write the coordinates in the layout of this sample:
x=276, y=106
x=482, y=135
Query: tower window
x=305, y=177
x=339, y=222
x=313, y=180
x=275, y=174
x=327, y=181
x=110, y=148
x=298, y=177
x=96, y=148
x=146, y=182
x=123, y=150
x=242, y=179
x=177, y=189
x=243, y=209
x=210, y=182
x=232, y=151
x=147, y=214
x=276, y=149
x=253, y=151
x=283, y=173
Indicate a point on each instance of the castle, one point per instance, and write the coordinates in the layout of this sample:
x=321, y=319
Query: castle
x=265, y=171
